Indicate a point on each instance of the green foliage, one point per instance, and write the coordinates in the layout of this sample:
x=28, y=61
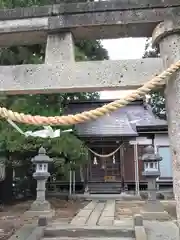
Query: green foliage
x=67, y=149
x=156, y=100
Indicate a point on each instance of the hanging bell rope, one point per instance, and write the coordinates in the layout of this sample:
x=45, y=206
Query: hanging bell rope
x=92, y=114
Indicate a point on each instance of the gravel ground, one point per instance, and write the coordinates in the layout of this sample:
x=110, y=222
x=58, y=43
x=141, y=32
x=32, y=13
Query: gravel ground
x=12, y=217
x=128, y=209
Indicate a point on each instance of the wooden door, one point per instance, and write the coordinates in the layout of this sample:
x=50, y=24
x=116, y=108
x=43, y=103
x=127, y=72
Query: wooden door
x=112, y=166
x=96, y=171
x=106, y=169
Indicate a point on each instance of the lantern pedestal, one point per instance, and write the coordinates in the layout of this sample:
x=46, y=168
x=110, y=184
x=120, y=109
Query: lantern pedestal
x=153, y=209
x=41, y=207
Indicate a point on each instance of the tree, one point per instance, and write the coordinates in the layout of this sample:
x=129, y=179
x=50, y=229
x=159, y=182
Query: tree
x=43, y=104
x=68, y=148
x=156, y=100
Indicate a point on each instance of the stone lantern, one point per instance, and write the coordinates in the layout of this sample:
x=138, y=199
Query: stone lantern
x=153, y=209
x=41, y=206
x=151, y=165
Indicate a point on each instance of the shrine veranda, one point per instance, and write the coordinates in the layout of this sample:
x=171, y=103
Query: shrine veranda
x=59, y=24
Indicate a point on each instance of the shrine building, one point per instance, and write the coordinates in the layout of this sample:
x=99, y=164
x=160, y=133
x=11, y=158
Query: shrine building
x=116, y=142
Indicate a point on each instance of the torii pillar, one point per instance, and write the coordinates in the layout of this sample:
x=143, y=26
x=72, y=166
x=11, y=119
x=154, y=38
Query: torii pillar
x=167, y=36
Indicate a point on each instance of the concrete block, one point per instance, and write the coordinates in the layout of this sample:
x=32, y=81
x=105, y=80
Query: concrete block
x=89, y=232
x=126, y=223
x=106, y=221
x=159, y=216
x=138, y=220
x=84, y=213
x=23, y=233
x=140, y=233
x=48, y=214
x=59, y=48
x=96, y=214
x=91, y=205
x=42, y=221
x=36, y=234
x=78, y=221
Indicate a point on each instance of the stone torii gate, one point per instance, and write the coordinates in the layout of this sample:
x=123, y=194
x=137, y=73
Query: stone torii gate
x=59, y=24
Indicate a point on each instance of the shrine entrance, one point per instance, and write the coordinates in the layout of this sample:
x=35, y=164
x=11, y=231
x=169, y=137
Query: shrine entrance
x=105, y=168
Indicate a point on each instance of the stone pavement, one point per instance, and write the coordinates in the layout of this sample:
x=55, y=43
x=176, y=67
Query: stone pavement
x=96, y=213
x=97, y=220
x=82, y=238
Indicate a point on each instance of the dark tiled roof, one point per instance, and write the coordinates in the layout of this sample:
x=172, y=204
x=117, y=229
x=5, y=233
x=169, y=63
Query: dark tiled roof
x=123, y=122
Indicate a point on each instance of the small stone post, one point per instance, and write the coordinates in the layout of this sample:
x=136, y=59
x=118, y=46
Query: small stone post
x=41, y=206
x=153, y=209
x=167, y=36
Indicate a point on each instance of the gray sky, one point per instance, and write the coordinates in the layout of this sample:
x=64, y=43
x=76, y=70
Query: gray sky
x=119, y=49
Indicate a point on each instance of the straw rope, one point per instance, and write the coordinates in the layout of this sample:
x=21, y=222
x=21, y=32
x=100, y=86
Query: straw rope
x=92, y=114
x=105, y=155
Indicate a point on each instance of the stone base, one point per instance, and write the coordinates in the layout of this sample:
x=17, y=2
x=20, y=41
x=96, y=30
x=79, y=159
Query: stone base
x=154, y=210
x=40, y=208
x=32, y=214
x=159, y=216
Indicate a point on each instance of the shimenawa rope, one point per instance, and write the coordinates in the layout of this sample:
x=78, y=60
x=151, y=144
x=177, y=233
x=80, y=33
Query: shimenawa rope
x=92, y=114
x=105, y=155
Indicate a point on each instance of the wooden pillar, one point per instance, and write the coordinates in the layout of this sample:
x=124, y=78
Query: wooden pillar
x=88, y=170
x=167, y=36
x=122, y=167
x=136, y=168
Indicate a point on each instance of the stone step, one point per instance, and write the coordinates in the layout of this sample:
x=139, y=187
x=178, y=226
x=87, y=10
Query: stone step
x=88, y=232
x=104, y=187
x=104, y=184
x=104, y=190
x=82, y=238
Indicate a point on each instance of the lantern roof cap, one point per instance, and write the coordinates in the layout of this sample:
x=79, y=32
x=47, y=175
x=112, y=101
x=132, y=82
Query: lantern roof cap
x=42, y=151
x=150, y=155
x=42, y=157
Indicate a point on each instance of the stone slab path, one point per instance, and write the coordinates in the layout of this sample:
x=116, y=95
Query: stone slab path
x=100, y=213
x=96, y=213
x=97, y=221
